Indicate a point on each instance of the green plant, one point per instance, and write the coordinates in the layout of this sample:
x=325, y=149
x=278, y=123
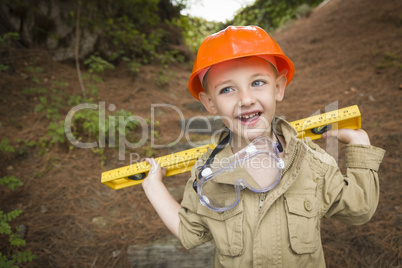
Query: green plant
x=34, y=71
x=92, y=76
x=124, y=31
x=97, y=64
x=11, y=182
x=148, y=151
x=5, y=148
x=389, y=60
x=60, y=83
x=303, y=11
x=96, y=78
x=13, y=255
x=136, y=29
x=195, y=30
x=5, y=39
x=3, y=67
x=272, y=14
x=134, y=66
x=51, y=109
x=101, y=153
x=86, y=125
x=24, y=145
x=29, y=91
x=93, y=91
x=56, y=132
x=164, y=77
x=170, y=57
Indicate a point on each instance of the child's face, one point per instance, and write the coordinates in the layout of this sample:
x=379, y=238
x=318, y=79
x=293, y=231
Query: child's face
x=244, y=93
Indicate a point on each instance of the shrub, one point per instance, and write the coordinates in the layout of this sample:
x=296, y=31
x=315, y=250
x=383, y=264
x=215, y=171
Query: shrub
x=13, y=255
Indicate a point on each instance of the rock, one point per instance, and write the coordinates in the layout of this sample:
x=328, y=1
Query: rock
x=22, y=231
x=100, y=222
x=116, y=253
x=43, y=209
x=59, y=39
x=169, y=253
x=371, y=98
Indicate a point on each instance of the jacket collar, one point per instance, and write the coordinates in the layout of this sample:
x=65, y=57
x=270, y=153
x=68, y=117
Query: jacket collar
x=284, y=129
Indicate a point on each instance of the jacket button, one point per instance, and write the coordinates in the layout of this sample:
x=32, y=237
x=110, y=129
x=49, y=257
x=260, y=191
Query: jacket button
x=307, y=205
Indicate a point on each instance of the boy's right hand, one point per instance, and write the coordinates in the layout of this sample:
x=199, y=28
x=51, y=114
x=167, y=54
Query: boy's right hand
x=155, y=174
x=349, y=136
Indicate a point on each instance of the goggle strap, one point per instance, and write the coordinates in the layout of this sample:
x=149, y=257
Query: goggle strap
x=279, y=147
x=222, y=144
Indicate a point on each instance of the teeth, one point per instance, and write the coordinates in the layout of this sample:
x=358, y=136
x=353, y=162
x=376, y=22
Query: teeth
x=248, y=116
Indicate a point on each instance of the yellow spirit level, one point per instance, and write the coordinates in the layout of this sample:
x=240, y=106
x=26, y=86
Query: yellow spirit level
x=314, y=126
x=311, y=127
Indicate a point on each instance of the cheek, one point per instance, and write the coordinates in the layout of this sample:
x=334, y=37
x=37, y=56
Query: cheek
x=228, y=123
x=267, y=96
x=225, y=105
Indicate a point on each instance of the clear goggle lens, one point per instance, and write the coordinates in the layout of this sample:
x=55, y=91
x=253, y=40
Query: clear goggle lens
x=256, y=167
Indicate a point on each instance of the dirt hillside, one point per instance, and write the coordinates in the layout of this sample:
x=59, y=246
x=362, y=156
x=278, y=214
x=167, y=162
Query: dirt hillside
x=347, y=52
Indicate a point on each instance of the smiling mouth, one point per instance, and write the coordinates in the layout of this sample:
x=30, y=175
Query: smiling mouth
x=249, y=117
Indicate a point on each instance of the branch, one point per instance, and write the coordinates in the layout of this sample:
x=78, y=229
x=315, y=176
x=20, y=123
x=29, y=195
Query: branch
x=77, y=44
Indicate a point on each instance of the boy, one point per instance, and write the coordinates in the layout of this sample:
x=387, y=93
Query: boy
x=239, y=74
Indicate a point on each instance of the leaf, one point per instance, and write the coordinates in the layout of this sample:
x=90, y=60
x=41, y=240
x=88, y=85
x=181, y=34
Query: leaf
x=5, y=228
x=15, y=240
x=13, y=214
x=11, y=182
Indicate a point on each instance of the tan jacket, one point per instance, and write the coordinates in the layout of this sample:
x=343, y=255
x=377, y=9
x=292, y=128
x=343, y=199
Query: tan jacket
x=281, y=228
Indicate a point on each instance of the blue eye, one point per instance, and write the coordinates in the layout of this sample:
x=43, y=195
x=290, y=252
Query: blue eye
x=258, y=83
x=226, y=90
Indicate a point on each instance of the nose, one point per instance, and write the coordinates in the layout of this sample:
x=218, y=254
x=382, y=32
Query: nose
x=246, y=98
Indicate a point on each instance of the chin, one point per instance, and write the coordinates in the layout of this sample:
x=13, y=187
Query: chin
x=250, y=135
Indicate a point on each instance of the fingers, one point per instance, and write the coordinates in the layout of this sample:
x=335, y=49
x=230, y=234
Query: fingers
x=348, y=136
x=155, y=167
x=164, y=172
x=154, y=164
x=330, y=134
x=155, y=174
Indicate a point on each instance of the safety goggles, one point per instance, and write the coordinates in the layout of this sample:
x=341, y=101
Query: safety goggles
x=256, y=167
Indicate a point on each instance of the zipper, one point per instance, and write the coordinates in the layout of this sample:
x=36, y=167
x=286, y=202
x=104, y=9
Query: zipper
x=262, y=198
x=287, y=164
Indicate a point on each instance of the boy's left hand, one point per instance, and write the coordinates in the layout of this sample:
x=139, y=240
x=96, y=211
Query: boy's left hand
x=348, y=136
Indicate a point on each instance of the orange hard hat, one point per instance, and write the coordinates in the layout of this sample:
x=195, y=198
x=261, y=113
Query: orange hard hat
x=236, y=42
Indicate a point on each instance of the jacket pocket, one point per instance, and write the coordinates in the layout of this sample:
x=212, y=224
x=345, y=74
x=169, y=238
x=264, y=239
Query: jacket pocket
x=226, y=228
x=302, y=215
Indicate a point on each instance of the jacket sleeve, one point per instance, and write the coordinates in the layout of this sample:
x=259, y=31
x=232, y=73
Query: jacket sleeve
x=353, y=198
x=193, y=231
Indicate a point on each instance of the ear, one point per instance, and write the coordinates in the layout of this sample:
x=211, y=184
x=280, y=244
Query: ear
x=207, y=102
x=280, y=87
